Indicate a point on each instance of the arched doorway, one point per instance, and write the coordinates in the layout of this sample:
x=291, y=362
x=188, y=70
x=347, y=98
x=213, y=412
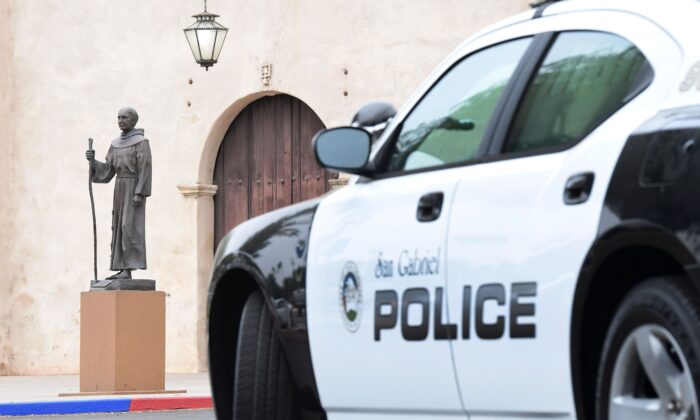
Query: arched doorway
x=266, y=161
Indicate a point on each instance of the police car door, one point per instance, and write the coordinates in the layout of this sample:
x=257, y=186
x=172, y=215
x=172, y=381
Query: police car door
x=523, y=221
x=376, y=269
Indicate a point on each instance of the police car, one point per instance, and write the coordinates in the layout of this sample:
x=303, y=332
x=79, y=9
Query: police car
x=521, y=242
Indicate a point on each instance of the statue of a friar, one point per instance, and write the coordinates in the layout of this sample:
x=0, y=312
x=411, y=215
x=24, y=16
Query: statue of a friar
x=129, y=158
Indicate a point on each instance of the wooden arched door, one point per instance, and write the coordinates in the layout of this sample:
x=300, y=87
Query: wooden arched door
x=266, y=161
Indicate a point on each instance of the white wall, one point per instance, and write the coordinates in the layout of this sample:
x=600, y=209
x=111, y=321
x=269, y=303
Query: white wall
x=6, y=181
x=76, y=63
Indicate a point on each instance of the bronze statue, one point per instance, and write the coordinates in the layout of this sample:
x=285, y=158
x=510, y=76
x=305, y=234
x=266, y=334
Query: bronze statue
x=129, y=158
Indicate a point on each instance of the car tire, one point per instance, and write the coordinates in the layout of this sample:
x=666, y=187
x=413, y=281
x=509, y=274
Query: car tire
x=650, y=364
x=263, y=387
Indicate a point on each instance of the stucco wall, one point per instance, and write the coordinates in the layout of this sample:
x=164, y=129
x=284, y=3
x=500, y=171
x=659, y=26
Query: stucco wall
x=6, y=182
x=78, y=62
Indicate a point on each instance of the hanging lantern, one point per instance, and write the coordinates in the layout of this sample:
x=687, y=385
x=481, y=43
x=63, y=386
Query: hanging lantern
x=206, y=37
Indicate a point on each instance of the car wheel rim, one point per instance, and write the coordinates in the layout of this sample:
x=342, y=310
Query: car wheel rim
x=651, y=378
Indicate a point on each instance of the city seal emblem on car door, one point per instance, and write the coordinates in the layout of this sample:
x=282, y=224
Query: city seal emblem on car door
x=350, y=296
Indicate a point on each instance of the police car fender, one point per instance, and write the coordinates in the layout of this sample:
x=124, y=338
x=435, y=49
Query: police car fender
x=267, y=253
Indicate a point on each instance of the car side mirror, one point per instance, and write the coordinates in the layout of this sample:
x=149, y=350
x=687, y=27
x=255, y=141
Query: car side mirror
x=344, y=149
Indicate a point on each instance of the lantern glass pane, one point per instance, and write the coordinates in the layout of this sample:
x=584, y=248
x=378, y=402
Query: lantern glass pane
x=206, y=43
x=192, y=40
x=219, y=42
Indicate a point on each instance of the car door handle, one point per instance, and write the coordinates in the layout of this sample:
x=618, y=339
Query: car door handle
x=429, y=207
x=578, y=188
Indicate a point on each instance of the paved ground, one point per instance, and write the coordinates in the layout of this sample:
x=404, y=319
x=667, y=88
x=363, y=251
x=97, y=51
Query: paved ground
x=155, y=415
x=46, y=388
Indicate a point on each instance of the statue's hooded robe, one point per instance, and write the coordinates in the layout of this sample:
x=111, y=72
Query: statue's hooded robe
x=129, y=158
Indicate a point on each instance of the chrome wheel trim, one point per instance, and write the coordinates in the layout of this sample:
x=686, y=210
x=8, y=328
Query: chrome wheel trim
x=650, y=353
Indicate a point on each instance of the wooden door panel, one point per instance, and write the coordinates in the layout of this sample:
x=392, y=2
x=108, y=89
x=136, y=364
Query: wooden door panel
x=283, y=152
x=231, y=175
x=313, y=177
x=296, y=150
x=266, y=161
x=219, y=208
x=236, y=178
x=257, y=160
x=263, y=153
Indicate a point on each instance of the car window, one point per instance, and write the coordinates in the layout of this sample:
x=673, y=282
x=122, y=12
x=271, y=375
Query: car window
x=449, y=122
x=584, y=78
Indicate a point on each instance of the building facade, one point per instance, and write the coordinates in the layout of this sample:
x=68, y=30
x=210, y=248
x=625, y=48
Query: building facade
x=67, y=67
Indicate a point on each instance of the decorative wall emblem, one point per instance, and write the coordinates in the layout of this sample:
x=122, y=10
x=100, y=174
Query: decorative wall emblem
x=350, y=296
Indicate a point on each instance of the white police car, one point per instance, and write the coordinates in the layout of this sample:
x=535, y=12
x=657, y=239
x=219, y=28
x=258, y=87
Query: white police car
x=521, y=242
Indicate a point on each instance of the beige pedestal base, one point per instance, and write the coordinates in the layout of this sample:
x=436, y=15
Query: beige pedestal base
x=122, y=342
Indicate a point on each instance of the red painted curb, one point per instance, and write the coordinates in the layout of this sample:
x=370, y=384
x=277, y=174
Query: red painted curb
x=176, y=403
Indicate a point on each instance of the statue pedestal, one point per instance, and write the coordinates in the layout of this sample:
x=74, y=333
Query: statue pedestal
x=122, y=341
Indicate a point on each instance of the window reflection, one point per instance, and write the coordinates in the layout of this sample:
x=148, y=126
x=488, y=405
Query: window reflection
x=585, y=78
x=448, y=124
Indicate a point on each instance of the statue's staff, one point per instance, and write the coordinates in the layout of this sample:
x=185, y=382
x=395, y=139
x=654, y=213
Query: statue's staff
x=94, y=221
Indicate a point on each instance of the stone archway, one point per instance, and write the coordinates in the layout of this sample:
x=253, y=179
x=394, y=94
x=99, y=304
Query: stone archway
x=266, y=161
